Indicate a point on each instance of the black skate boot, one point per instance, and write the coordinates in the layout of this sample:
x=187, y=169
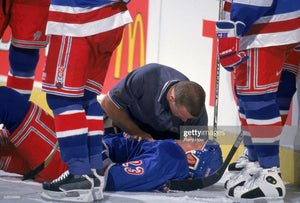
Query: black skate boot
x=69, y=187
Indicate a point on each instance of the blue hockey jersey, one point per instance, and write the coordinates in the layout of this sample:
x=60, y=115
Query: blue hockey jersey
x=144, y=165
x=268, y=22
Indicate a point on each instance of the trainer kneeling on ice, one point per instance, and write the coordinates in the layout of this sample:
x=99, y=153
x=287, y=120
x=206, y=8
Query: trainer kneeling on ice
x=130, y=165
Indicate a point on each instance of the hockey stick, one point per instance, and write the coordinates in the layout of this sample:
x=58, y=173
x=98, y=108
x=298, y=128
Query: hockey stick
x=188, y=185
x=217, y=83
x=43, y=165
x=215, y=127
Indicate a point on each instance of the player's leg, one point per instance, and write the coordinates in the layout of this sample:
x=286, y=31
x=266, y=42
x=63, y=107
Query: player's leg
x=30, y=130
x=264, y=129
x=243, y=160
x=258, y=99
x=64, y=84
x=10, y=159
x=286, y=90
x=69, y=77
x=94, y=116
x=247, y=164
x=104, y=45
x=23, y=63
x=12, y=113
x=71, y=129
x=235, y=167
x=28, y=23
x=34, y=139
x=287, y=83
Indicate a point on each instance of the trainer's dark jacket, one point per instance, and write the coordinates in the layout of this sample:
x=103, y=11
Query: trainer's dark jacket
x=142, y=93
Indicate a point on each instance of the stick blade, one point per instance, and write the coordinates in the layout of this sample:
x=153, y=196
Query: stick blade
x=34, y=172
x=185, y=185
x=200, y=183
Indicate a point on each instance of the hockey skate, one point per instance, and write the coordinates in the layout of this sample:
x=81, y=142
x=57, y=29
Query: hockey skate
x=240, y=163
x=105, y=155
x=265, y=184
x=68, y=187
x=98, y=174
x=245, y=174
x=99, y=183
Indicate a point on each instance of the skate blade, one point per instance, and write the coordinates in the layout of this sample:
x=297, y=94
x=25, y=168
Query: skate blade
x=98, y=193
x=73, y=196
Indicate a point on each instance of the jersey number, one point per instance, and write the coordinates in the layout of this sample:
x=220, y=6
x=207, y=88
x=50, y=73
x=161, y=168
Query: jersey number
x=133, y=167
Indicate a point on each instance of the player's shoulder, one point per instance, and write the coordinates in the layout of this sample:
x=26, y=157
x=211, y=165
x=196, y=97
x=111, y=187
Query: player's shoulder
x=170, y=147
x=149, y=72
x=155, y=67
x=156, y=72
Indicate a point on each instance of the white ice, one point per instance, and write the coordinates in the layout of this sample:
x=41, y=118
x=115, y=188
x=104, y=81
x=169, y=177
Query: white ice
x=14, y=190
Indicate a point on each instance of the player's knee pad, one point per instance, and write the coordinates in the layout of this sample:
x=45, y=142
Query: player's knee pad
x=23, y=62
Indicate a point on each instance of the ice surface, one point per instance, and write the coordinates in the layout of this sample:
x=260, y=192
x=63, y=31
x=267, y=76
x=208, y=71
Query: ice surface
x=13, y=189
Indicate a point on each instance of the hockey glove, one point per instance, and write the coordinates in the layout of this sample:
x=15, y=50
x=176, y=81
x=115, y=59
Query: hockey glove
x=228, y=33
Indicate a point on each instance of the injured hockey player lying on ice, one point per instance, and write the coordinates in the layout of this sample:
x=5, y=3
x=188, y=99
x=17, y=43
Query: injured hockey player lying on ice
x=130, y=165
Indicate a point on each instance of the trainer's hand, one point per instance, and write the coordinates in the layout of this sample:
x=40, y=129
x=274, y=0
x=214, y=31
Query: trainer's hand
x=228, y=33
x=144, y=136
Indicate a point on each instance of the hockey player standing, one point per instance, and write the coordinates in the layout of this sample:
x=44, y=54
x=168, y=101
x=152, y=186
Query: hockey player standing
x=255, y=43
x=285, y=93
x=83, y=36
x=27, y=20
